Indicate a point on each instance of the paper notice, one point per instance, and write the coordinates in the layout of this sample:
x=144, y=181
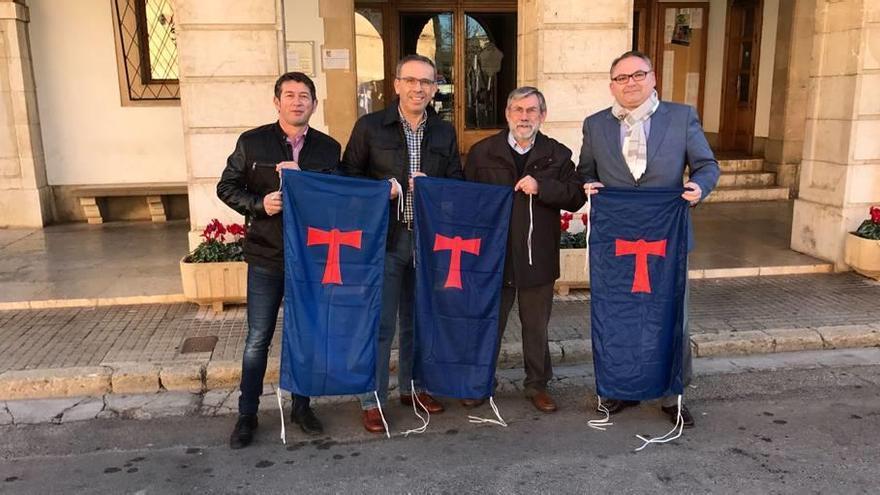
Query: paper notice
x=692, y=89
x=696, y=18
x=668, y=72
x=300, y=57
x=335, y=58
x=669, y=26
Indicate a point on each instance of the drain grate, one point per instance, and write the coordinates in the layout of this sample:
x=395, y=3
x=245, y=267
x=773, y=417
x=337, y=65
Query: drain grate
x=199, y=344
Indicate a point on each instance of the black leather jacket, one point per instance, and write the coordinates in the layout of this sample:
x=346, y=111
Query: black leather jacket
x=250, y=175
x=377, y=149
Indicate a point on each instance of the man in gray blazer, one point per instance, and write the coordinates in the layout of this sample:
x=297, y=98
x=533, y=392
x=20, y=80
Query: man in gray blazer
x=643, y=142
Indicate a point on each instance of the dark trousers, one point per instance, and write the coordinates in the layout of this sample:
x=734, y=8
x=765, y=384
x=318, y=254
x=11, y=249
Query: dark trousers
x=398, y=293
x=265, y=290
x=535, y=304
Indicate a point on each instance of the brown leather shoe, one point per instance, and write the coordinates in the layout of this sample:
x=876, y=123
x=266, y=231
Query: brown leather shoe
x=543, y=402
x=472, y=403
x=429, y=402
x=372, y=420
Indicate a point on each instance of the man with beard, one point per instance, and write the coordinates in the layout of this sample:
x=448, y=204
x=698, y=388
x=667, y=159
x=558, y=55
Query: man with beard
x=250, y=186
x=543, y=176
x=407, y=139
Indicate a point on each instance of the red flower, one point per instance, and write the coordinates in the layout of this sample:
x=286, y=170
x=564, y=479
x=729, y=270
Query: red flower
x=585, y=218
x=875, y=214
x=563, y=224
x=567, y=216
x=214, y=231
x=236, y=229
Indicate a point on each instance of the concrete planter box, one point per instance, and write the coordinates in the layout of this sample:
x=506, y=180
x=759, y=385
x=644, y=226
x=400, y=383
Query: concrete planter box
x=214, y=284
x=573, y=270
x=863, y=255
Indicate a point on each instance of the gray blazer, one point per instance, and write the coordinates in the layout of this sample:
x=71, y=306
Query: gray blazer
x=675, y=140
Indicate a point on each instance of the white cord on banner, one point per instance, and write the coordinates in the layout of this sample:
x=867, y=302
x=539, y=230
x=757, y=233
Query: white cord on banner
x=677, y=429
x=399, y=188
x=381, y=414
x=500, y=421
x=589, y=222
x=281, y=410
x=604, y=423
x=531, y=227
x=415, y=397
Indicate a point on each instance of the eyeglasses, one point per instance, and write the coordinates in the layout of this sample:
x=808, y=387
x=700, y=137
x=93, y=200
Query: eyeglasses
x=412, y=81
x=637, y=76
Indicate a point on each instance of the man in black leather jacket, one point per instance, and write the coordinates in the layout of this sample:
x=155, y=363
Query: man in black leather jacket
x=250, y=185
x=405, y=140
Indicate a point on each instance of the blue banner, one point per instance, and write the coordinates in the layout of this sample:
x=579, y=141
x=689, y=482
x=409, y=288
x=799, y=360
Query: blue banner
x=334, y=258
x=460, y=244
x=638, y=272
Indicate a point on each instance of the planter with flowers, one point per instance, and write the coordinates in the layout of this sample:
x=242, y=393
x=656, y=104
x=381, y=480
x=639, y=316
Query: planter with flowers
x=863, y=246
x=215, y=272
x=573, y=271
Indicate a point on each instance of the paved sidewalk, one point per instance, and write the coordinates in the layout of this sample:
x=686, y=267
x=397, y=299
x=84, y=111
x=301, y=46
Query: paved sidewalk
x=138, y=349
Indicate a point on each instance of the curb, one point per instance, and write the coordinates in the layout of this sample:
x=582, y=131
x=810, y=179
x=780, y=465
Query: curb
x=200, y=377
x=93, y=302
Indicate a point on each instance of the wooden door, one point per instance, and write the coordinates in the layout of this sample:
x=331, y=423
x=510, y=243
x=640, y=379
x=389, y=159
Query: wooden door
x=681, y=43
x=740, y=82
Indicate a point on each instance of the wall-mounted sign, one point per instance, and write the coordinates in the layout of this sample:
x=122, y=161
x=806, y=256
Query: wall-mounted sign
x=338, y=58
x=301, y=57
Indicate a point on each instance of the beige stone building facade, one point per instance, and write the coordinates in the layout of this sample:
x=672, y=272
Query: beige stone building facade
x=114, y=101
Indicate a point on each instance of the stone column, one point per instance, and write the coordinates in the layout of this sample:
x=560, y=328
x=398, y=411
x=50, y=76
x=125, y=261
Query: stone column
x=340, y=100
x=840, y=174
x=25, y=197
x=565, y=50
x=791, y=81
x=230, y=55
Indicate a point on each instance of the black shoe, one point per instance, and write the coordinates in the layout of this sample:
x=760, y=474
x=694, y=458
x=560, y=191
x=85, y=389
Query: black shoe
x=672, y=412
x=307, y=421
x=243, y=433
x=614, y=406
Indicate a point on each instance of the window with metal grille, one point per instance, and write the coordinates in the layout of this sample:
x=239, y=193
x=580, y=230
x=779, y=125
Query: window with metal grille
x=147, y=50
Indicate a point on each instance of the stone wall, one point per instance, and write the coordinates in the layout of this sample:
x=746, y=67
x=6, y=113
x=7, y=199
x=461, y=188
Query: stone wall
x=840, y=174
x=25, y=198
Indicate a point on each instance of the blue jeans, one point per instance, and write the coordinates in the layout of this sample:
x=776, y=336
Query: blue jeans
x=265, y=290
x=398, y=295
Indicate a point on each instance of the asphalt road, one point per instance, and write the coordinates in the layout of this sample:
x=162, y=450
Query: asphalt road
x=777, y=426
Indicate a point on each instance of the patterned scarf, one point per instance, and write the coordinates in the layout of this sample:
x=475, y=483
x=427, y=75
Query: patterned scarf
x=635, y=142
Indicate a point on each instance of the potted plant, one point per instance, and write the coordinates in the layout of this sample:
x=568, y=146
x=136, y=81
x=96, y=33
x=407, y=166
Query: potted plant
x=573, y=273
x=863, y=246
x=215, y=273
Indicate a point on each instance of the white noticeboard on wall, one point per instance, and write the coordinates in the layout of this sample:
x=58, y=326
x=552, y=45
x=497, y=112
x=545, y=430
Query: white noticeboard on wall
x=338, y=58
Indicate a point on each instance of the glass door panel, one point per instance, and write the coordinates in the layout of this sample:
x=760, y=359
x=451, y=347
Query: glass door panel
x=432, y=35
x=370, y=59
x=490, y=63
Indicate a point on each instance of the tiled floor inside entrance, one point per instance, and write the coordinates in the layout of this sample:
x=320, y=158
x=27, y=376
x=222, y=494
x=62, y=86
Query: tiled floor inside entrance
x=140, y=259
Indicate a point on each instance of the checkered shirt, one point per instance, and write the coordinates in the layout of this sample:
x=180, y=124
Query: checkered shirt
x=414, y=147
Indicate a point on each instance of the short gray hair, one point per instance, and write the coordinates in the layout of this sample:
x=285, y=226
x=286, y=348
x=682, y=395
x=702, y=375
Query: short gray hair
x=525, y=92
x=633, y=54
x=414, y=58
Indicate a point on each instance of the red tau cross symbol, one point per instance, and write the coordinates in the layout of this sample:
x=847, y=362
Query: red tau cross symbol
x=456, y=245
x=641, y=249
x=333, y=239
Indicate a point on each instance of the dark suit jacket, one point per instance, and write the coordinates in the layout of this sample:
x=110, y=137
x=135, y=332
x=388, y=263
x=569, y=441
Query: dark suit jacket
x=559, y=187
x=675, y=141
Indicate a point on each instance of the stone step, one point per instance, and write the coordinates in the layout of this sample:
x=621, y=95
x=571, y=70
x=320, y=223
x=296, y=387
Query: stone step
x=742, y=165
x=747, y=179
x=742, y=194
